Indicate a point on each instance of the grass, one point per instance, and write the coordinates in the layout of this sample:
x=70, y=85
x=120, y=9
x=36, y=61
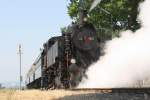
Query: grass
x=10, y=94
x=6, y=94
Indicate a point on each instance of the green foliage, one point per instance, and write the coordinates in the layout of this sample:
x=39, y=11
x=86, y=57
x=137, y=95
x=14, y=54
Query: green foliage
x=73, y=9
x=107, y=14
x=63, y=29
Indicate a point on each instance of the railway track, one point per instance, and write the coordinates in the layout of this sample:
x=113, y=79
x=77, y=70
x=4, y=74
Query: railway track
x=115, y=90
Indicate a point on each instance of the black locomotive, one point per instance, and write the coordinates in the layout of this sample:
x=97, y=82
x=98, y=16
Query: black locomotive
x=65, y=59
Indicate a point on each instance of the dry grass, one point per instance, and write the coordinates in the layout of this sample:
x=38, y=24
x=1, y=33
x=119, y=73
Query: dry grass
x=36, y=94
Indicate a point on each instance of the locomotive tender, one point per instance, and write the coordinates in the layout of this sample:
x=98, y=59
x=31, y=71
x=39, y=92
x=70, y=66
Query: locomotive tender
x=65, y=59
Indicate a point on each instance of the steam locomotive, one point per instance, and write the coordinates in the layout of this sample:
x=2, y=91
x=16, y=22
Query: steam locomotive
x=65, y=59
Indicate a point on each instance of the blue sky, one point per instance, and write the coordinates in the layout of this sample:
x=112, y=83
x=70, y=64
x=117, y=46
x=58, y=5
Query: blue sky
x=31, y=23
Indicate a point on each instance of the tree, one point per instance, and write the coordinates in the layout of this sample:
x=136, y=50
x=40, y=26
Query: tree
x=110, y=16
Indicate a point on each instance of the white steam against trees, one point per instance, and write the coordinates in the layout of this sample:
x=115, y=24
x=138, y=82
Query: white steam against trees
x=126, y=62
x=95, y=3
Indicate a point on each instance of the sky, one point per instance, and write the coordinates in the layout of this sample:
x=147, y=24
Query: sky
x=29, y=23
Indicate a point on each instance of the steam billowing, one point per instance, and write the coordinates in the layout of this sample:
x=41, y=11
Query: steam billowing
x=127, y=59
x=95, y=3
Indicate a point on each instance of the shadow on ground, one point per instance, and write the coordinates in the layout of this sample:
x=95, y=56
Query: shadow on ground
x=108, y=96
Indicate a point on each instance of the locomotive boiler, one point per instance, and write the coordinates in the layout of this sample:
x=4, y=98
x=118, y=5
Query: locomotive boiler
x=65, y=59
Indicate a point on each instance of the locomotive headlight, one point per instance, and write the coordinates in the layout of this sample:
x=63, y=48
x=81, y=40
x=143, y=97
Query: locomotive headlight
x=85, y=19
x=73, y=61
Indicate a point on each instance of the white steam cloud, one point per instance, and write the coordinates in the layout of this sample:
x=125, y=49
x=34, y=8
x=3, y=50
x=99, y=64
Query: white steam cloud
x=127, y=59
x=95, y=3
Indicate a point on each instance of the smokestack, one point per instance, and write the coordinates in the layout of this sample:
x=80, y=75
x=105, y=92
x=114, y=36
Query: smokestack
x=82, y=17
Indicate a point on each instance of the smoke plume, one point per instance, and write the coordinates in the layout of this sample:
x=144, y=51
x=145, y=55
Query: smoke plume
x=95, y=3
x=126, y=62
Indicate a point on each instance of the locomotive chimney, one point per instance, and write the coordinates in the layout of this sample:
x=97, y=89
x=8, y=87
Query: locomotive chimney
x=82, y=17
x=82, y=13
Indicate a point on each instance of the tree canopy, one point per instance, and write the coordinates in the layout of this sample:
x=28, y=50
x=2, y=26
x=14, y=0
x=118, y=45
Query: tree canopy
x=109, y=16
